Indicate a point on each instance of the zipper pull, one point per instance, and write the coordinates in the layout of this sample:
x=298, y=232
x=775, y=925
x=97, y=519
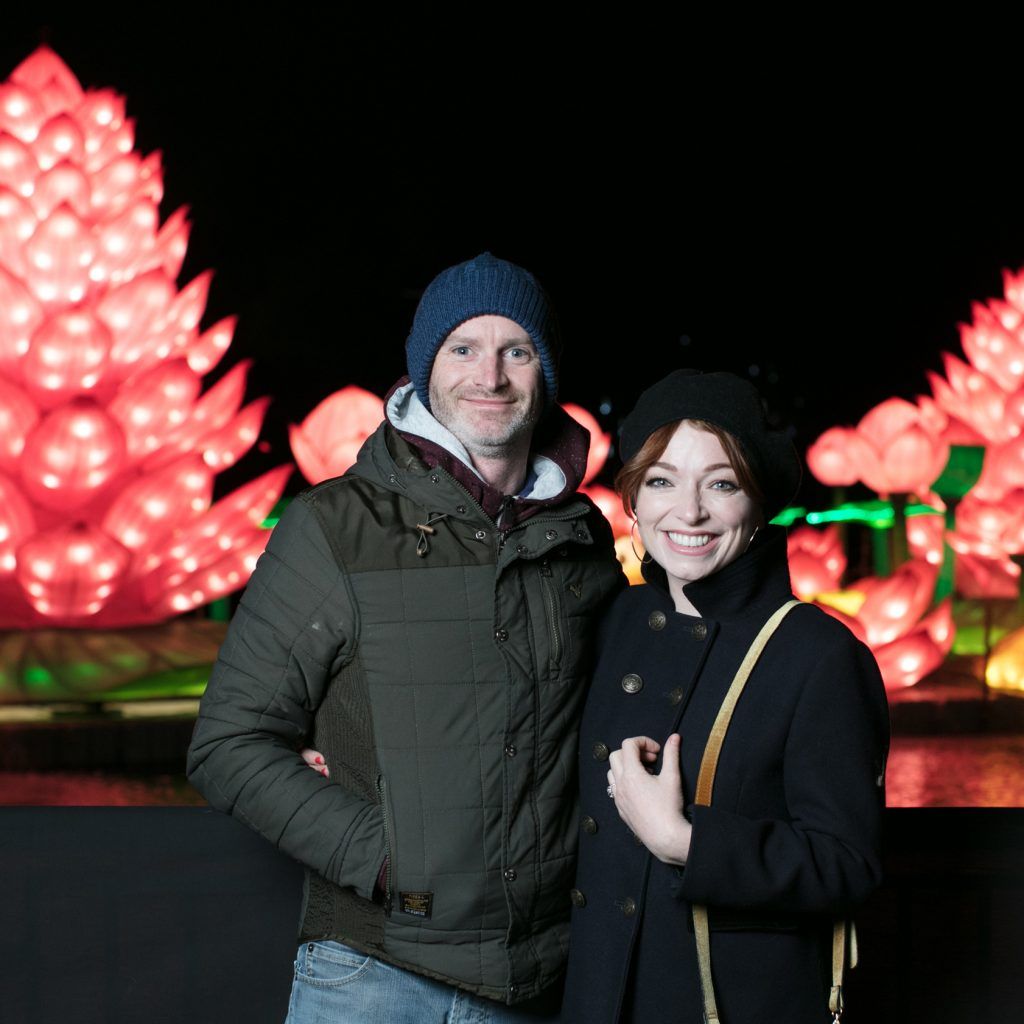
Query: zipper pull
x=545, y=568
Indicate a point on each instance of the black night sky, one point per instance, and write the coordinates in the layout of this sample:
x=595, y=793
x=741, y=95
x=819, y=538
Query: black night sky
x=820, y=219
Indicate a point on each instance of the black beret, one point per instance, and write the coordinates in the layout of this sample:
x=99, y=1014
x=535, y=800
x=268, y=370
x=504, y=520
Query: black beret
x=729, y=402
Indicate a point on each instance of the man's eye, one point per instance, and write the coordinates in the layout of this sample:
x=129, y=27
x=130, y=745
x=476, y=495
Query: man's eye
x=461, y=350
x=520, y=355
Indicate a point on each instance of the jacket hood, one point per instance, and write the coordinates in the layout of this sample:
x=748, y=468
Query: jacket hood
x=558, y=457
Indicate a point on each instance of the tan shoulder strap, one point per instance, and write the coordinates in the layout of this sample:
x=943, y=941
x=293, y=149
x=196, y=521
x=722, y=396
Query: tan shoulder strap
x=706, y=784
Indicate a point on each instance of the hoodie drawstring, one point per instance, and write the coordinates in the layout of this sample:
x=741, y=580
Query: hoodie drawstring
x=427, y=529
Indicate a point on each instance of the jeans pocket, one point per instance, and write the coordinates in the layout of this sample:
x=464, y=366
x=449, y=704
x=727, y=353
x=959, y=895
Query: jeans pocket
x=330, y=964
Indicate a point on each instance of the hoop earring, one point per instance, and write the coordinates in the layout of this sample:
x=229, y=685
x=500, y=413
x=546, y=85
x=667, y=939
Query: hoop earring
x=646, y=559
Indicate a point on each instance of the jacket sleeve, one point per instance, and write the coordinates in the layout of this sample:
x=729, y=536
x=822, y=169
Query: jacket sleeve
x=825, y=857
x=293, y=629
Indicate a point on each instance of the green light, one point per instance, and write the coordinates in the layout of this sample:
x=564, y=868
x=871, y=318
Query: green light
x=876, y=514
x=275, y=514
x=36, y=675
x=788, y=516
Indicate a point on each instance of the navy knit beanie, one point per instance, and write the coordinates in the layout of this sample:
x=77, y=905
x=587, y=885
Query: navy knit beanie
x=482, y=286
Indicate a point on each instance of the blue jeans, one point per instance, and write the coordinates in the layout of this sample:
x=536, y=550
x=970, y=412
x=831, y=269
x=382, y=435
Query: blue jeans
x=335, y=984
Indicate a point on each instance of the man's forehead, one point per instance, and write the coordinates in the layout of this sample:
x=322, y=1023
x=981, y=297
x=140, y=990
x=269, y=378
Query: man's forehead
x=491, y=326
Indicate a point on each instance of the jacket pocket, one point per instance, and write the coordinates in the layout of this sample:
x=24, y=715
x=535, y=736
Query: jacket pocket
x=553, y=614
x=389, y=841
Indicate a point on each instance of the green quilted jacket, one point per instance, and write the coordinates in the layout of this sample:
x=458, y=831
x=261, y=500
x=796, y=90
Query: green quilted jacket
x=442, y=673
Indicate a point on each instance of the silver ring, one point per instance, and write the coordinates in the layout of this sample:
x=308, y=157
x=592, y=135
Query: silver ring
x=611, y=791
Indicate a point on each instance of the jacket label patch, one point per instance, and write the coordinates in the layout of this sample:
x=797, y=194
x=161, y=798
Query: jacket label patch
x=416, y=903
x=576, y=589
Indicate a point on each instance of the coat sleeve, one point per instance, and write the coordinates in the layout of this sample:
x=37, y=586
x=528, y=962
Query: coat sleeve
x=293, y=629
x=825, y=856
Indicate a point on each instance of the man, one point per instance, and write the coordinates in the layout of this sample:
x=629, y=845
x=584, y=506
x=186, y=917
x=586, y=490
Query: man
x=425, y=621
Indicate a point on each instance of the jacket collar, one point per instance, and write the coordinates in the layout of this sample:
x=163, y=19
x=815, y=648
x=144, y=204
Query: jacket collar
x=757, y=581
x=558, y=458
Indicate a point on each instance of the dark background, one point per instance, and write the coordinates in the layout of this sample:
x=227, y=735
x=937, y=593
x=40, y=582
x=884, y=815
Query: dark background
x=815, y=205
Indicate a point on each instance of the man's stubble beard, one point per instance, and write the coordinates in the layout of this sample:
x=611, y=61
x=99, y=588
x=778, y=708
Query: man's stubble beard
x=510, y=441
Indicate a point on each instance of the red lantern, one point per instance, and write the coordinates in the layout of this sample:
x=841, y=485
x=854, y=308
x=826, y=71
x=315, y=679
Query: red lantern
x=101, y=357
x=901, y=455
x=327, y=441
x=816, y=560
x=600, y=442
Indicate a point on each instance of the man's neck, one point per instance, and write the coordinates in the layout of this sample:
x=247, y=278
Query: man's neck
x=506, y=472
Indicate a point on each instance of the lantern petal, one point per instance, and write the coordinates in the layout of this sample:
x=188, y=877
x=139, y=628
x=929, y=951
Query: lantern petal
x=908, y=660
x=151, y=508
x=70, y=572
x=63, y=184
x=224, y=447
x=71, y=454
x=308, y=457
x=20, y=315
x=894, y=605
x=205, y=352
x=59, y=139
x=152, y=406
x=21, y=112
x=50, y=78
x=335, y=430
x=831, y=458
x=67, y=357
x=17, y=523
x=600, y=442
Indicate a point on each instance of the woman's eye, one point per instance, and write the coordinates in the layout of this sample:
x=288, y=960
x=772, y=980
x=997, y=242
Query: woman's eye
x=656, y=481
x=725, y=485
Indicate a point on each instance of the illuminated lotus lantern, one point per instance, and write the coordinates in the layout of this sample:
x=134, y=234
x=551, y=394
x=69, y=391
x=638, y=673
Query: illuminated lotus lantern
x=889, y=615
x=925, y=536
x=973, y=398
x=605, y=498
x=327, y=441
x=893, y=450
x=1005, y=668
x=816, y=560
x=994, y=342
x=108, y=447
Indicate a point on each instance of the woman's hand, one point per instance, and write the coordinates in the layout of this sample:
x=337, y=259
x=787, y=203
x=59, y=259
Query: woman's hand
x=651, y=805
x=316, y=761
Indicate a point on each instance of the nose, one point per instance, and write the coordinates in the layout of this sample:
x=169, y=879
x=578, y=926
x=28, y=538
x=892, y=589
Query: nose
x=691, y=508
x=490, y=372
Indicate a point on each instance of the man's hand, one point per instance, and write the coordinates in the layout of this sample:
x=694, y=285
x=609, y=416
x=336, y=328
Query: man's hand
x=651, y=805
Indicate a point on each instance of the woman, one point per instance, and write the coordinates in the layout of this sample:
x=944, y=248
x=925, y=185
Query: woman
x=790, y=840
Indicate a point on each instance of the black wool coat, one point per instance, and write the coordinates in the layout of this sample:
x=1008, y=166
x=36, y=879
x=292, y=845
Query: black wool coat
x=791, y=840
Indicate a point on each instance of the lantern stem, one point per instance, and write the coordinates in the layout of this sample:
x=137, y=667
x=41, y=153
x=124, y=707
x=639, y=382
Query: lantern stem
x=898, y=535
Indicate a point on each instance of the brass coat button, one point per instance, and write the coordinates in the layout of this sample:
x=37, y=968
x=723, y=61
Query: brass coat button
x=632, y=683
x=627, y=906
x=589, y=825
x=657, y=620
x=700, y=631
x=601, y=751
x=577, y=898
x=675, y=696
